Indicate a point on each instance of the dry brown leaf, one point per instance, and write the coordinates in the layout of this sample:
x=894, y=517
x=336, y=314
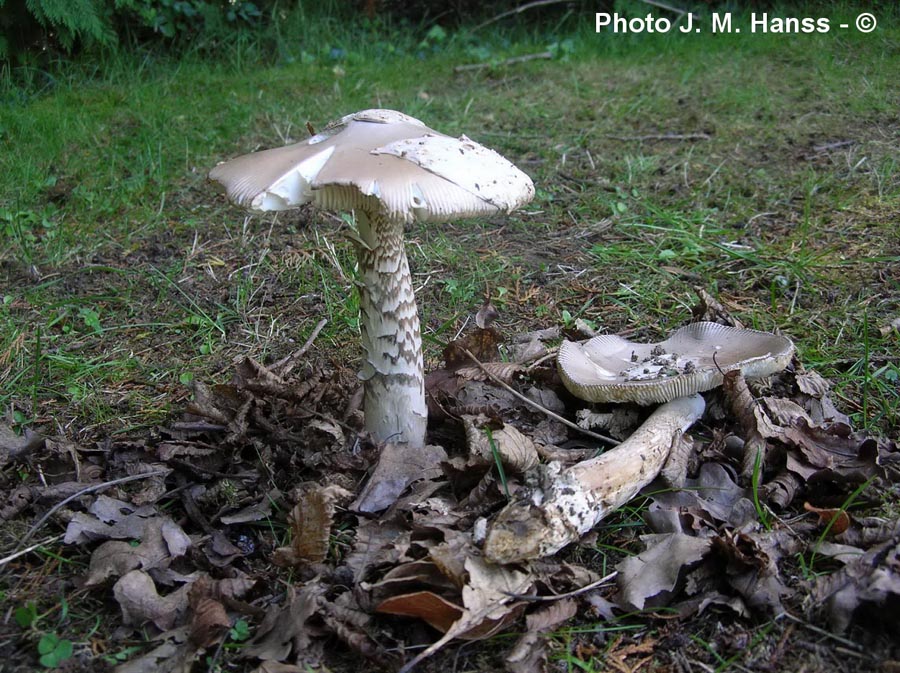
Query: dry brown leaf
x=136, y=594
x=108, y=519
x=550, y=616
x=517, y=452
x=504, y=371
x=482, y=343
x=865, y=584
x=837, y=520
x=162, y=540
x=14, y=446
x=486, y=315
x=256, y=512
x=175, y=654
x=209, y=622
x=276, y=667
x=284, y=629
x=530, y=651
x=398, y=467
x=490, y=603
x=310, y=523
x=654, y=573
x=425, y=605
x=751, y=418
x=378, y=543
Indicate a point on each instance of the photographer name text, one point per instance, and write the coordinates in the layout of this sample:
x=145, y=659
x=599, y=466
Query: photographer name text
x=725, y=22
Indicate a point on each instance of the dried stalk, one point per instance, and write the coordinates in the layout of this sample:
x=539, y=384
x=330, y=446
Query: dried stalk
x=566, y=504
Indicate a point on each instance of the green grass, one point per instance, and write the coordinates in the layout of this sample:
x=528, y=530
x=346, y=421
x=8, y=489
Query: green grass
x=125, y=271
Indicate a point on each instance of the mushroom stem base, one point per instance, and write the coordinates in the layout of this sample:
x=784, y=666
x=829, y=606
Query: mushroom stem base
x=393, y=371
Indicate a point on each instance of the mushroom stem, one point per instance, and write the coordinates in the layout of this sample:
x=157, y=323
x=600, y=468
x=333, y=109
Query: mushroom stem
x=566, y=504
x=392, y=372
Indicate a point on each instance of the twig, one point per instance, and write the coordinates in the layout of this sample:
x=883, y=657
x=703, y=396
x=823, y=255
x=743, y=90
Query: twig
x=532, y=403
x=509, y=61
x=570, y=594
x=284, y=366
x=833, y=146
x=13, y=557
x=668, y=8
x=516, y=10
x=663, y=136
x=823, y=632
x=86, y=491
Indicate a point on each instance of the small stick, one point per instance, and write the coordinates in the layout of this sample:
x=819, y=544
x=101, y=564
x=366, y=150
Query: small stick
x=676, y=10
x=509, y=61
x=13, y=557
x=85, y=491
x=823, y=632
x=663, y=136
x=516, y=10
x=570, y=594
x=284, y=366
x=532, y=403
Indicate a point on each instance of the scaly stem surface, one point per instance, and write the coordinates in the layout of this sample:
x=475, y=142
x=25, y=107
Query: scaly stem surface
x=393, y=371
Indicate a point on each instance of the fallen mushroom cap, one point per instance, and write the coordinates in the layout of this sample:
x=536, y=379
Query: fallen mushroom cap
x=379, y=159
x=693, y=359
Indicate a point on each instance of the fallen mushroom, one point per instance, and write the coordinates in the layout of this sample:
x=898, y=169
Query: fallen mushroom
x=566, y=504
x=693, y=359
x=390, y=169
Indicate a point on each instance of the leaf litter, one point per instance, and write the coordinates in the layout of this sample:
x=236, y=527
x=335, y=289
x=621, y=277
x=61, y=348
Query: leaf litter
x=262, y=514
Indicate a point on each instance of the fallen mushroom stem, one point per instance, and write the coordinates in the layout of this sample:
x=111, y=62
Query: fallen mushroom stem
x=566, y=504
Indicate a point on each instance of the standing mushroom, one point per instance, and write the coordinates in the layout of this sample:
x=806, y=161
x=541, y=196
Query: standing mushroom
x=389, y=169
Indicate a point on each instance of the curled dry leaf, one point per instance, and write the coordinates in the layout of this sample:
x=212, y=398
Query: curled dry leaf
x=175, y=654
x=655, y=572
x=530, y=651
x=209, y=622
x=136, y=594
x=486, y=315
x=517, y=452
x=425, y=605
x=399, y=466
x=491, y=599
x=108, y=518
x=867, y=583
x=14, y=446
x=162, y=540
x=284, y=629
x=482, y=343
x=504, y=371
x=310, y=523
x=750, y=416
x=836, y=520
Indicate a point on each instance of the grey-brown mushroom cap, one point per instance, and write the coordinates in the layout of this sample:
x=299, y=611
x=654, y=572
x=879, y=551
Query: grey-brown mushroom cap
x=379, y=159
x=693, y=359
